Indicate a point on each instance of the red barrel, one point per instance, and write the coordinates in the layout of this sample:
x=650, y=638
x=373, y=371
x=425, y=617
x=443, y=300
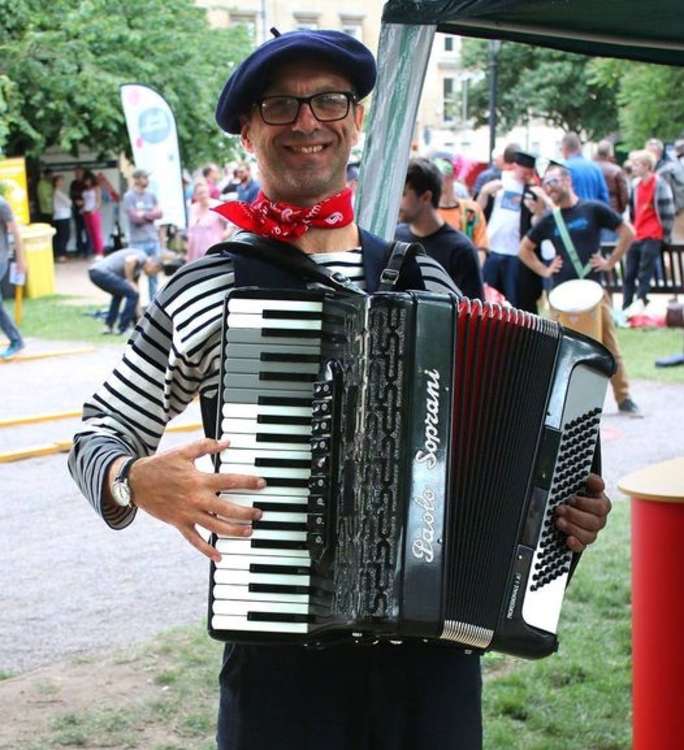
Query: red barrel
x=657, y=494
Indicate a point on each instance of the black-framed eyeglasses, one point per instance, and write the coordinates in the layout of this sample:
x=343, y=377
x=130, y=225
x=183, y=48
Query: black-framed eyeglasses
x=328, y=106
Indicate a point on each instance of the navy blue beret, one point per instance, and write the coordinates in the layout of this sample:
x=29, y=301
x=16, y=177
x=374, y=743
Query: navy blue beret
x=249, y=80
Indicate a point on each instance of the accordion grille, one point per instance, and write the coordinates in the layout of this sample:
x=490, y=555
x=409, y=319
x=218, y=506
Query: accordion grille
x=466, y=634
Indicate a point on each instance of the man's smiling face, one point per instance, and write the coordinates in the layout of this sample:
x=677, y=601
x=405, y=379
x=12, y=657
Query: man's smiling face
x=305, y=161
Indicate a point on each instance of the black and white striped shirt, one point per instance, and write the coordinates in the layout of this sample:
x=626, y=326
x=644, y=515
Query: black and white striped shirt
x=173, y=355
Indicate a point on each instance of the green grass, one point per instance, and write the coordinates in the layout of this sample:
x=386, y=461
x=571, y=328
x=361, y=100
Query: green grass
x=53, y=318
x=641, y=347
x=577, y=699
x=580, y=698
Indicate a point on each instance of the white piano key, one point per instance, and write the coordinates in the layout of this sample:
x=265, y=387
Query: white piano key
x=244, y=578
x=230, y=545
x=265, y=471
x=252, y=411
x=258, y=322
x=246, y=440
x=227, y=622
x=268, y=492
x=243, y=562
x=241, y=594
x=241, y=456
x=253, y=427
x=256, y=306
x=227, y=607
x=280, y=517
x=279, y=535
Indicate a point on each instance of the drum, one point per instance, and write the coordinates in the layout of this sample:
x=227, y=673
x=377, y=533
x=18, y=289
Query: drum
x=577, y=305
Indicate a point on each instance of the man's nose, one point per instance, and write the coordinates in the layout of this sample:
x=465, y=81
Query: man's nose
x=306, y=121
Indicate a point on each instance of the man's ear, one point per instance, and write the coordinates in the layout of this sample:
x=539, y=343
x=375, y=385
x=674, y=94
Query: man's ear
x=358, y=114
x=244, y=134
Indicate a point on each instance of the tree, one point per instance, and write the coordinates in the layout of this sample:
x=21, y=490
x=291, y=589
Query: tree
x=649, y=99
x=62, y=62
x=539, y=83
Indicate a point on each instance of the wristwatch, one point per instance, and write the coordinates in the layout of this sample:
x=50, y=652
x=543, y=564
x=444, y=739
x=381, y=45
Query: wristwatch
x=121, y=489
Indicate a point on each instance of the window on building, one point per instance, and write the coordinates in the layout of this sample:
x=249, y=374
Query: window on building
x=303, y=21
x=248, y=20
x=352, y=25
x=448, y=43
x=448, y=99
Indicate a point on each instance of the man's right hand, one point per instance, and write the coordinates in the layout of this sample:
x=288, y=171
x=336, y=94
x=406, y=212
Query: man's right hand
x=169, y=487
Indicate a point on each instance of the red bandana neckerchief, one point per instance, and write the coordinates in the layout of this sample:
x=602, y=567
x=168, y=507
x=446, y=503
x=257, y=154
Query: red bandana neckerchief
x=282, y=221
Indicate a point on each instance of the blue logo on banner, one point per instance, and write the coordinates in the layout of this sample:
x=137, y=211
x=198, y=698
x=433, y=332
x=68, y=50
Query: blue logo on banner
x=154, y=125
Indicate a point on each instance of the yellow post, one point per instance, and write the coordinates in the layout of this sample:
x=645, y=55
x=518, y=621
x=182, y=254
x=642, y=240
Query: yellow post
x=18, y=304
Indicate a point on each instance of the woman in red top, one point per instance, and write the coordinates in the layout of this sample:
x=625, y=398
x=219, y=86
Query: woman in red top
x=652, y=209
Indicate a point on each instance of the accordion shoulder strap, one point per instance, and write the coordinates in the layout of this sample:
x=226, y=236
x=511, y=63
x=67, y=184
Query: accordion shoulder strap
x=285, y=256
x=401, y=252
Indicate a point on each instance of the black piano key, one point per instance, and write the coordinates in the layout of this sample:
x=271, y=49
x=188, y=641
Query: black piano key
x=276, y=544
x=292, y=314
x=278, y=617
x=277, y=419
x=283, y=401
x=286, y=482
x=290, y=570
x=278, y=588
x=263, y=437
x=289, y=333
x=285, y=463
x=281, y=507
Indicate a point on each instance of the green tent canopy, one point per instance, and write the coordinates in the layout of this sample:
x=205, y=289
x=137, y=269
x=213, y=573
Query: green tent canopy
x=646, y=30
x=650, y=30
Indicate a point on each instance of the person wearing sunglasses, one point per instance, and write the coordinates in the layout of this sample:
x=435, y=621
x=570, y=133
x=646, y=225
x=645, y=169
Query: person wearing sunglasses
x=297, y=104
x=579, y=255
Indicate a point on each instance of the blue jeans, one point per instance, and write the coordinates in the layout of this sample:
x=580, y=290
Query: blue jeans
x=641, y=265
x=152, y=249
x=501, y=272
x=119, y=289
x=6, y=322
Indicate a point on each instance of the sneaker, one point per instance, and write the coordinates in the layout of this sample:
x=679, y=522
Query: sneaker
x=636, y=308
x=629, y=408
x=12, y=349
x=107, y=331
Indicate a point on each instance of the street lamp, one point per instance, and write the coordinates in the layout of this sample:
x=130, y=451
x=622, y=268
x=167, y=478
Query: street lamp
x=494, y=47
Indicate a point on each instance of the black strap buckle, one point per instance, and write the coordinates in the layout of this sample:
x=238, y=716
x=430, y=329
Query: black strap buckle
x=389, y=278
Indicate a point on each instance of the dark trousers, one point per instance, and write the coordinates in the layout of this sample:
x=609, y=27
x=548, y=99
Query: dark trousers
x=119, y=289
x=61, y=236
x=385, y=697
x=501, y=272
x=83, y=246
x=640, y=266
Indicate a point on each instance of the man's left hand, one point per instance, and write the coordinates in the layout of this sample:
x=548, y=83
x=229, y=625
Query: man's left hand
x=584, y=515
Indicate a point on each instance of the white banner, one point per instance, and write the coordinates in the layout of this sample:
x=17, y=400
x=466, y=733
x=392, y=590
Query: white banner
x=154, y=141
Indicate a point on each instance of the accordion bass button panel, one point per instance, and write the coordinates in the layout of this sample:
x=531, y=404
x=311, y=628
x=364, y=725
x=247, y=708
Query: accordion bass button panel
x=577, y=441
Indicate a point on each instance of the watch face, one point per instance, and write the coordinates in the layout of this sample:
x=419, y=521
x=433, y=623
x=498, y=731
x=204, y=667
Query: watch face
x=121, y=493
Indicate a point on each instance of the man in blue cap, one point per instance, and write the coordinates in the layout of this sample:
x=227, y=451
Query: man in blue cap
x=295, y=102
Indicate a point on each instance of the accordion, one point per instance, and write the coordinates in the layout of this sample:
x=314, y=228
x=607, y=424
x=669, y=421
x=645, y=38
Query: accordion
x=415, y=447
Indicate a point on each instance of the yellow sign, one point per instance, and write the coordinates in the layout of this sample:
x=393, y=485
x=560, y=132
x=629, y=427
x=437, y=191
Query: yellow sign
x=13, y=187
